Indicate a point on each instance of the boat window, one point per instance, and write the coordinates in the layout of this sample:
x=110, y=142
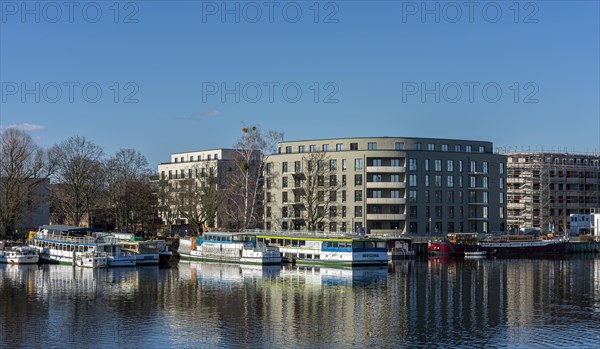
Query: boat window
x=381, y=244
x=302, y=243
x=369, y=244
x=359, y=244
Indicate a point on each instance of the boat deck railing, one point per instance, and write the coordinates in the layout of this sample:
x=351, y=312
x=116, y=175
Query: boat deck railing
x=305, y=233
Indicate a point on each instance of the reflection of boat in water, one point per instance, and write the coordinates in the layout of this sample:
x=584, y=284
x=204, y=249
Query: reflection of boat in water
x=19, y=255
x=228, y=248
x=501, y=246
x=331, y=249
x=212, y=273
x=476, y=254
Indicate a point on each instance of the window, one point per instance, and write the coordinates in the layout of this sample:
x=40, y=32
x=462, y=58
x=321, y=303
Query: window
x=438, y=196
x=426, y=180
x=472, y=181
x=344, y=164
x=320, y=166
x=399, y=146
x=284, y=182
x=358, y=195
x=427, y=165
x=176, y=160
x=297, y=166
x=339, y=147
x=320, y=181
x=377, y=178
x=332, y=196
x=427, y=196
x=485, y=182
x=357, y=211
x=416, y=146
x=485, y=167
x=353, y=146
x=343, y=211
x=450, y=165
x=208, y=157
x=444, y=147
x=284, y=167
x=343, y=196
x=376, y=162
x=332, y=180
x=457, y=148
x=395, y=194
x=501, y=183
x=376, y=194
x=268, y=196
x=451, y=212
x=269, y=212
x=501, y=168
x=473, y=166
x=468, y=148
x=450, y=197
x=269, y=168
x=438, y=181
x=284, y=196
x=450, y=182
x=438, y=165
x=501, y=195
x=412, y=180
x=412, y=196
x=412, y=164
x=358, y=164
x=485, y=197
x=412, y=211
x=460, y=166
x=358, y=179
x=312, y=148
x=395, y=162
x=431, y=146
x=320, y=197
x=284, y=212
x=288, y=149
x=438, y=212
x=372, y=146
x=481, y=149
x=395, y=178
x=300, y=149
x=325, y=147
x=460, y=181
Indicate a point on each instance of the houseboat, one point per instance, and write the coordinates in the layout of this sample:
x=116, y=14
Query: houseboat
x=399, y=248
x=129, y=240
x=145, y=252
x=500, y=246
x=328, y=249
x=93, y=259
x=18, y=255
x=228, y=247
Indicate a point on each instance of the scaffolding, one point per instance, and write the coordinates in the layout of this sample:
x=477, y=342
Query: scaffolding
x=543, y=188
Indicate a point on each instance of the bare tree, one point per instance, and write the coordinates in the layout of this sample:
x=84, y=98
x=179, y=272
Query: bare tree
x=124, y=169
x=245, y=183
x=198, y=201
x=78, y=178
x=316, y=187
x=23, y=167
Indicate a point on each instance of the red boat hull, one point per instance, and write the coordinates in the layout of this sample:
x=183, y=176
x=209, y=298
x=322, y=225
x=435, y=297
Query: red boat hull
x=501, y=249
x=439, y=248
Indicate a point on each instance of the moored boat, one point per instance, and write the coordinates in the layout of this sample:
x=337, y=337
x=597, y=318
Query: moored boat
x=328, y=249
x=19, y=255
x=501, y=246
x=228, y=247
x=399, y=248
x=91, y=259
x=145, y=252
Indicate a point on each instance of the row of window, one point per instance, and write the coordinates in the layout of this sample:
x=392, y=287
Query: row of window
x=198, y=158
x=452, y=212
x=563, y=161
x=451, y=227
x=474, y=197
x=373, y=146
x=437, y=166
x=181, y=174
x=474, y=181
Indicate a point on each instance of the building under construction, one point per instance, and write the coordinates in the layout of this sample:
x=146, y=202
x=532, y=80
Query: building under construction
x=545, y=187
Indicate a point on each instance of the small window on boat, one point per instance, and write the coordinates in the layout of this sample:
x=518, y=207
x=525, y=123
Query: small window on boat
x=359, y=244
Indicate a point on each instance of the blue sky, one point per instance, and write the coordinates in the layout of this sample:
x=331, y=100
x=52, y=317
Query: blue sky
x=363, y=69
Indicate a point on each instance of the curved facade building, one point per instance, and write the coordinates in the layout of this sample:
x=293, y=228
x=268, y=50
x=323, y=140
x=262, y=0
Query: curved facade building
x=386, y=185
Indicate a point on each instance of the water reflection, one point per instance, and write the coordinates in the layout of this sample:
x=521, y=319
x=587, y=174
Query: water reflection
x=438, y=302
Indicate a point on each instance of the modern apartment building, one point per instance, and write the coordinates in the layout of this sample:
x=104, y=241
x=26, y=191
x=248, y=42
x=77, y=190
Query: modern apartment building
x=386, y=185
x=196, y=165
x=545, y=188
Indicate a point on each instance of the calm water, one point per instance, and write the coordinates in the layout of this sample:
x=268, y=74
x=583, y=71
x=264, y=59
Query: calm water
x=422, y=303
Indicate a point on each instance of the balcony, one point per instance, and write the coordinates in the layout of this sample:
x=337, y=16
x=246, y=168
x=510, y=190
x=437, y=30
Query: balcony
x=383, y=185
x=477, y=219
x=400, y=201
x=386, y=232
x=386, y=169
x=385, y=217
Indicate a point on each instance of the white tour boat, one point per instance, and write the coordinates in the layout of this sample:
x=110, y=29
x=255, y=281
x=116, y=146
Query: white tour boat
x=19, y=255
x=228, y=247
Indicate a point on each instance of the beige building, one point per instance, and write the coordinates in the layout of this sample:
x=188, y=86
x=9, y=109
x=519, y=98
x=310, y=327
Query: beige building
x=386, y=185
x=197, y=165
x=545, y=188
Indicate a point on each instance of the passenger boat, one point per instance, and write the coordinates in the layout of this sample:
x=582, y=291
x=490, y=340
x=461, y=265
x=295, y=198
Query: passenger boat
x=228, y=247
x=399, y=248
x=19, y=255
x=62, y=244
x=501, y=246
x=328, y=249
x=129, y=241
x=91, y=259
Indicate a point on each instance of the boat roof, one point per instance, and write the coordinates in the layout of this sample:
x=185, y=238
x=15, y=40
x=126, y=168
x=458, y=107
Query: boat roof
x=316, y=236
x=65, y=228
x=228, y=233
